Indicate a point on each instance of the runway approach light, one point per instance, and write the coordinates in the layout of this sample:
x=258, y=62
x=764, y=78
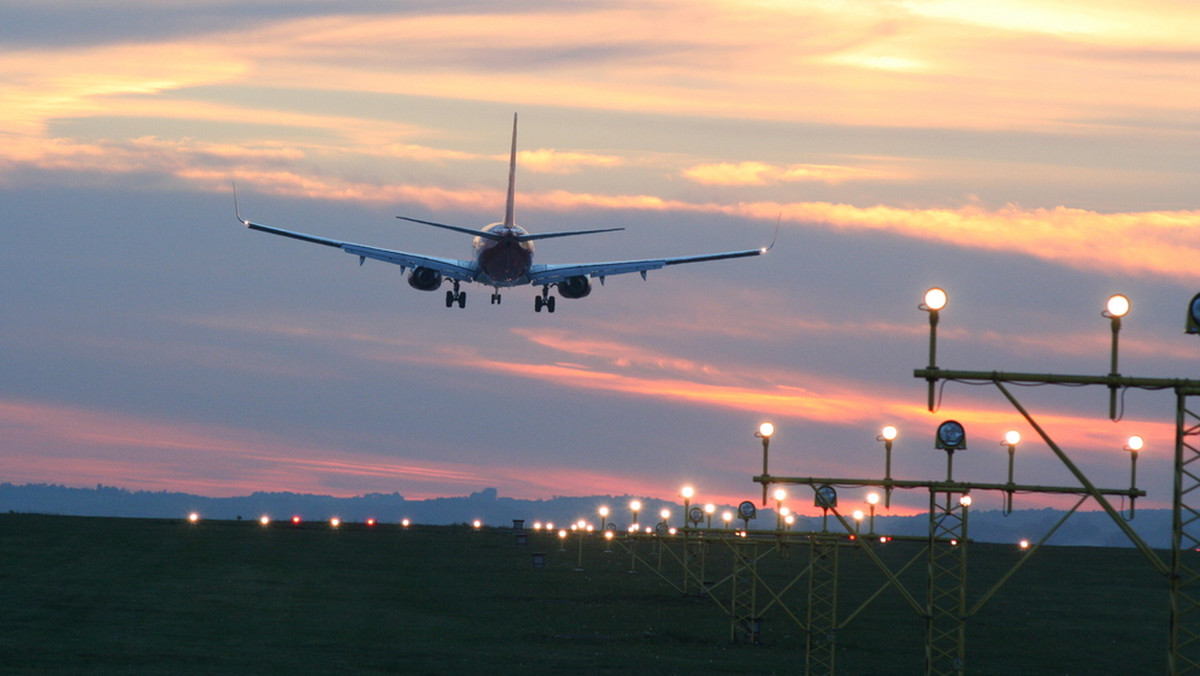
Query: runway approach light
x=1193, y=315
x=193, y=518
x=951, y=436
x=1117, y=306
x=935, y=299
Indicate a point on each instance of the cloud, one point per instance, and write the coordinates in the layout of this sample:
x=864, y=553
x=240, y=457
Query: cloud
x=78, y=444
x=762, y=173
x=551, y=161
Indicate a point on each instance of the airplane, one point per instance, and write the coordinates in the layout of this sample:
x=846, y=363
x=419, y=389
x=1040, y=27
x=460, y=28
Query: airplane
x=503, y=256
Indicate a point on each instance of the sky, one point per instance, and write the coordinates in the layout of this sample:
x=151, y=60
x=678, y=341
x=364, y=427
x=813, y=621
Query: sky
x=1031, y=158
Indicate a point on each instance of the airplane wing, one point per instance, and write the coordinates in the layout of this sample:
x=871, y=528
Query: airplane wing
x=552, y=274
x=463, y=271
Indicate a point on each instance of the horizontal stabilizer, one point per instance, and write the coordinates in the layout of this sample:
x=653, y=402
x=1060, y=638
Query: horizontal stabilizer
x=469, y=231
x=564, y=233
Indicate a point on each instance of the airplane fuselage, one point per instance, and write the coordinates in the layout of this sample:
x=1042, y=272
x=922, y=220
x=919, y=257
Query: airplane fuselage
x=504, y=261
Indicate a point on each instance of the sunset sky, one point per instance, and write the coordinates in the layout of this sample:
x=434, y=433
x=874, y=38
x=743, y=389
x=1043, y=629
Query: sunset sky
x=1032, y=158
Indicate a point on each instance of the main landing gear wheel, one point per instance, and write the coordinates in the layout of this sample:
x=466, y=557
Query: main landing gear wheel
x=495, y=299
x=544, y=301
x=456, y=296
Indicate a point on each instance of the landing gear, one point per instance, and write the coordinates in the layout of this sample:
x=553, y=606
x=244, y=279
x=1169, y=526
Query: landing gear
x=456, y=296
x=544, y=301
x=496, y=298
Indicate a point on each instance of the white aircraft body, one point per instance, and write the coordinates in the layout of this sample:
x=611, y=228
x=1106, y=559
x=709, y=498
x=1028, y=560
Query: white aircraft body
x=503, y=257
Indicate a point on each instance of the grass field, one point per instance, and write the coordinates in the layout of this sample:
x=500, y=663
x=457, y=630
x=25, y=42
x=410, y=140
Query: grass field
x=131, y=596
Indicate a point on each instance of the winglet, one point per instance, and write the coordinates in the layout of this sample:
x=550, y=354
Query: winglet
x=236, y=211
x=512, y=178
x=778, y=222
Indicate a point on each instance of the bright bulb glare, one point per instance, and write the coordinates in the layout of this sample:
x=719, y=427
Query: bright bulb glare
x=635, y=505
x=687, y=492
x=873, y=498
x=335, y=522
x=1012, y=437
x=780, y=494
x=193, y=517
x=1118, y=306
x=935, y=299
x=890, y=432
x=264, y=520
x=1135, y=443
x=965, y=501
x=766, y=429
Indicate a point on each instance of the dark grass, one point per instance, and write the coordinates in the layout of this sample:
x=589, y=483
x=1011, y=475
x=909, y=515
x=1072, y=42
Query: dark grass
x=131, y=596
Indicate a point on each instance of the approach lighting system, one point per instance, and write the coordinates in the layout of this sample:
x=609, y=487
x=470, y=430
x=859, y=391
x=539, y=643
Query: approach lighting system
x=951, y=436
x=764, y=432
x=1133, y=445
x=193, y=518
x=1193, y=315
x=264, y=520
x=935, y=300
x=335, y=522
x=889, y=433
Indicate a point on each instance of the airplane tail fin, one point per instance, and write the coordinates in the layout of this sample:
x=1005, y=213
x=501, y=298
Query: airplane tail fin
x=512, y=178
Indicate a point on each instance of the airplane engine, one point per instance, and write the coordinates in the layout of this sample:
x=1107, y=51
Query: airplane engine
x=425, y=279
x=575, y=287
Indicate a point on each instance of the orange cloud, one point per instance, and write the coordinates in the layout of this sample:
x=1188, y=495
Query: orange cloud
x=552, y=161
x=78, y=445
x=761, y=173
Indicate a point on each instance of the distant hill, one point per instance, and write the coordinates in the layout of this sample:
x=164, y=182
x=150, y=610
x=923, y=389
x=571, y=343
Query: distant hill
x=1084, y=528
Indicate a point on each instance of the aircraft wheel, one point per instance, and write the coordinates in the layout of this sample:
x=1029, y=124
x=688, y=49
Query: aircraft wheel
x=449, y=299
x=462, y=299
x=550, y=304
x=537, y=303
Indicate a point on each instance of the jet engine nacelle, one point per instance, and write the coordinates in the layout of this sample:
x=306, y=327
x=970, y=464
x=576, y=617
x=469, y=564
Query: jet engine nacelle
x=575, y=287
x=425, y=279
